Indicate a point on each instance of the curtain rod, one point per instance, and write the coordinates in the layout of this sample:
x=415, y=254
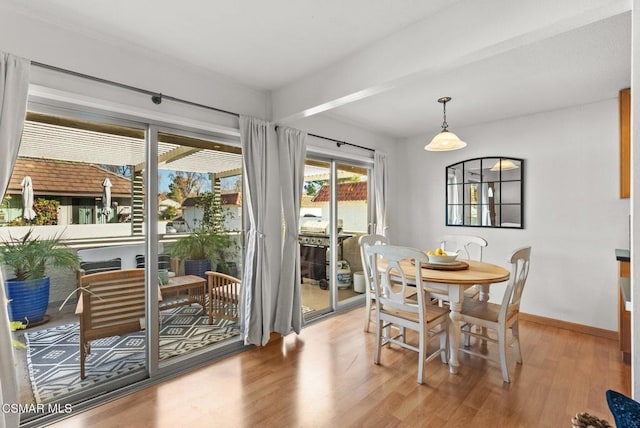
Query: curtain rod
x=340, y=143
x=157, y=98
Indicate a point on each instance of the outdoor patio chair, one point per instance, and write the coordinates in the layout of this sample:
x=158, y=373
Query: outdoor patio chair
x=110, y=304
x=223, y=295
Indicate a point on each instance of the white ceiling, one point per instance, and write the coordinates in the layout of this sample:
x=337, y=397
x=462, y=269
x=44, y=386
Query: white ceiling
x=380, y=64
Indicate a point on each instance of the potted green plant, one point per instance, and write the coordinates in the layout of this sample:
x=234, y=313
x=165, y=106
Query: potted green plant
x=200, y=250
x=27, y=257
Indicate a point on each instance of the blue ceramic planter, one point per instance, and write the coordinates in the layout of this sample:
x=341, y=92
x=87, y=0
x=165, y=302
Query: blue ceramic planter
x=197, y=267
x=28, y=299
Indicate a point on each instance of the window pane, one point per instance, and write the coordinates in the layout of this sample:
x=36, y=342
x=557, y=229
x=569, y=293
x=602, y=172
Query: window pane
x=199, y=230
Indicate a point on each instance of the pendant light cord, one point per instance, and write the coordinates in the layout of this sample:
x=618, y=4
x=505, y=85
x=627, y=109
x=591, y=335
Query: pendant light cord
x=445, y=125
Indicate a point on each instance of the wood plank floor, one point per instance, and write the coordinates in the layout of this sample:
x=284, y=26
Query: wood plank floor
x=325, y=377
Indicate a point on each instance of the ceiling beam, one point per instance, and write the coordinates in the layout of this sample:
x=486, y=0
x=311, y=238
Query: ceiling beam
x=437, y=44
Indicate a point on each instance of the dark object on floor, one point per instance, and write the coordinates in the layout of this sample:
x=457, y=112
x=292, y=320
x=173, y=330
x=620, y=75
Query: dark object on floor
x=626, y=411
x=585, y=420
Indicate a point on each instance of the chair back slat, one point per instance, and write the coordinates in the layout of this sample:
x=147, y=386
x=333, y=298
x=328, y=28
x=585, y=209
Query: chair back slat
x=112, y=298
x=366, y=241
x=223, y=294
x=520, y=260
x=469, y=247
x=391, y=287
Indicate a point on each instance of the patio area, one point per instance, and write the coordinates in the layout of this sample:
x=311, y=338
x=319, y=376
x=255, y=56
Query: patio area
x=48, y=367
x=50, y=357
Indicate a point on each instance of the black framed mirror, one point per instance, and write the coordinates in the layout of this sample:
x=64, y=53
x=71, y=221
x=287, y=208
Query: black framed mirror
x=485, y=192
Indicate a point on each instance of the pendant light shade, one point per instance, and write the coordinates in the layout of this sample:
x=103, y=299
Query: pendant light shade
x=504, y=164
x=445, y=140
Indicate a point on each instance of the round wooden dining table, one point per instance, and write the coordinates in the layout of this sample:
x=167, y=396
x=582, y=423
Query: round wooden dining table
x=453, y=283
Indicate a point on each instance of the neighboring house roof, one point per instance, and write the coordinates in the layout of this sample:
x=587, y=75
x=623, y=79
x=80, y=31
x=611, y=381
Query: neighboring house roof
x=169, y=203
x=64, y=178
x=231, y=198
x=350, y=191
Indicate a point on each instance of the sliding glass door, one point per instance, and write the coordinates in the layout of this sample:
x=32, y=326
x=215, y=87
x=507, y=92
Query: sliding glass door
x=199, y=212
x=335, y=212
x=353, y=212
x=314, y=238
x=82, y=174
x=139, y=204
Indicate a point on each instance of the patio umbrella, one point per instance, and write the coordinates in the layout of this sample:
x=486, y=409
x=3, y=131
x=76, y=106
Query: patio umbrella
x=27, y=199
x=106, y=197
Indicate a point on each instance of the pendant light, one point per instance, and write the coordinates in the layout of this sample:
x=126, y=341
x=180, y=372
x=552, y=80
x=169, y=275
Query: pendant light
x=504, y=165
x=445, y=140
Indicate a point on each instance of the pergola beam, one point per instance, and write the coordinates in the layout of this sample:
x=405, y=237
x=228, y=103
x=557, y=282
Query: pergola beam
x=171, y=156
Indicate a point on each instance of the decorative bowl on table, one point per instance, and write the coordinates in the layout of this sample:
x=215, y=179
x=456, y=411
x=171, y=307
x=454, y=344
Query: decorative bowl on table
x=445, y=257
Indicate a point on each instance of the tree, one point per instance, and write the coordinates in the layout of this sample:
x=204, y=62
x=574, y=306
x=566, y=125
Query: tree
x=185, y=184
x=311, y=188
x=168, y=213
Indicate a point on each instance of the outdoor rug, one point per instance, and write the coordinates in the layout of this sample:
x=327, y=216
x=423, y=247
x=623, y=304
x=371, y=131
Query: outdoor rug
x=53, y=354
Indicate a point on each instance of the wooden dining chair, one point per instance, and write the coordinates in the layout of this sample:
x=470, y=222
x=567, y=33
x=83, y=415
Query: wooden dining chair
x=468, y=247
x=499, y=318
x=391, y=289
x=367, y=241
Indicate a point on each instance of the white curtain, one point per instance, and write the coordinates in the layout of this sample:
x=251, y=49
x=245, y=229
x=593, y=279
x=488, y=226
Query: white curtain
x=381, y=182
x=264, y=236
x=14, y=84
x=292, y=150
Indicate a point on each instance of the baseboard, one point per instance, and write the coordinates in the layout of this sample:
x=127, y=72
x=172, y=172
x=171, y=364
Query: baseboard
x=578, y=328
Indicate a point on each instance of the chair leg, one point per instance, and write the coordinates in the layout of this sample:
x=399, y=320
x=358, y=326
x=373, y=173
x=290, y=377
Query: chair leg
x=367, y=313
x=515, y=330
x=502, y=343
x=467, y=337
x=444, y=342
x=210, y=307
x=376, y=355
x=483, y=332
x=422, y=352
x=83, y=356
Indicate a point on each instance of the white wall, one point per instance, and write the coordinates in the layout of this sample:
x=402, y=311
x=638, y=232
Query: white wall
x=573, y=217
